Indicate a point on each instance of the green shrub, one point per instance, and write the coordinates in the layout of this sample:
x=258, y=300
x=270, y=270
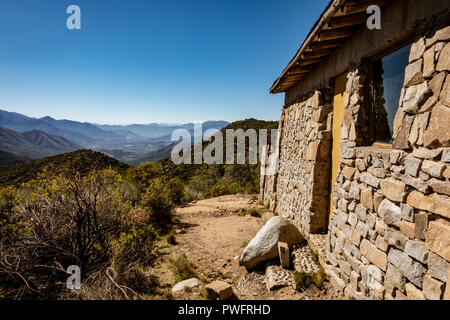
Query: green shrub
x=176, y=189
x=157, y=200
x=303, y=280
x=167, y=296
x=131, y=192
x=182, y=268
x=255, y=212
x=145, y=173
x=319, y=277
x=171, y=238
x=242, y=213
x=250, y=188
x=218, y=190
x=68, y=220
x=200, y=185
x=235, y=188
x=136, y=243
x=187, y=289
x=7, y=199
x=192, y=194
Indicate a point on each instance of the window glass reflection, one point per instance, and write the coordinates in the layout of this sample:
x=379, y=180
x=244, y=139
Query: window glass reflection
x=388, y=76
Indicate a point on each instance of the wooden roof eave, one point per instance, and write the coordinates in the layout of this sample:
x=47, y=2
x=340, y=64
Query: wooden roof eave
x=332, y=7
x=337, y=23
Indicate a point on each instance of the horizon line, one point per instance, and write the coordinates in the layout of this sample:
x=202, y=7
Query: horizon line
x=119, y=124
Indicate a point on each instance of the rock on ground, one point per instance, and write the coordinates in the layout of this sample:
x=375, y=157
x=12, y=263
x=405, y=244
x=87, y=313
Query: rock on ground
x=277, y=277
x=191, y=283
x=264, y=246
x=219, y=290
x=304, y=261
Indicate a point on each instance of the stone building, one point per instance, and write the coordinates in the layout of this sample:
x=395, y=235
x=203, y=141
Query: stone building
x=364, y=147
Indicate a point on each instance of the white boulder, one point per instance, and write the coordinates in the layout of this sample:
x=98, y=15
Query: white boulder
x=264, y=246
x=191, y=283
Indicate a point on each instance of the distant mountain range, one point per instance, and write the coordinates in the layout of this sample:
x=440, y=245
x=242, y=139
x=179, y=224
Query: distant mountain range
x=158, y=130
x=34, y=144
x=84, y=161
x=42, y=137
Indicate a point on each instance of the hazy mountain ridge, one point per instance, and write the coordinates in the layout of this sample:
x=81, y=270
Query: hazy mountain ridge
x=83, y=128
x=161, y=130
x=92, y=133
x=127, y=143
x=34, y=144
x=87, y=160
x=21, y=123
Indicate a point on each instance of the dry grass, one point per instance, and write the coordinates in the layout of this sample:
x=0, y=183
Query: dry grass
x=182, y=268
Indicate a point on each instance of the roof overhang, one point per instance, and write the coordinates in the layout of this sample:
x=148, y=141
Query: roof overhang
x=337, y=23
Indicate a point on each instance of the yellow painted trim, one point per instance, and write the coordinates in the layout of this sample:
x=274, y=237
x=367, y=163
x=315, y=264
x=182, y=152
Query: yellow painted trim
x=338, y=117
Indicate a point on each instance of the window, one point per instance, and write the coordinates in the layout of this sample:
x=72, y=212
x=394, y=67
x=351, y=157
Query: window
x=387, y=81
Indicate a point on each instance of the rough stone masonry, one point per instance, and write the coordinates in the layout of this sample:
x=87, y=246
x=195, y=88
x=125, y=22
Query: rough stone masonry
x=389, y=232
x=389, y=235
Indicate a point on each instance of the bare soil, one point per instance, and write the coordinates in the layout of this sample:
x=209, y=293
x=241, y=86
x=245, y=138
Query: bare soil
x=212, y=234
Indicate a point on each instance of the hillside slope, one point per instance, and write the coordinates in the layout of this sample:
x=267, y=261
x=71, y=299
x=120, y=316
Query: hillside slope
x=219, y=179
x=90, y=130
x=34, y=144
x=155, y=155
x=21, y=123
x=82, y=161
x=7, y=158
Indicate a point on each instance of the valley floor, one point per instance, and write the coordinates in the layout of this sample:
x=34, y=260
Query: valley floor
x=213, y=235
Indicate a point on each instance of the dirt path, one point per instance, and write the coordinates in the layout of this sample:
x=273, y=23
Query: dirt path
x=212, y=234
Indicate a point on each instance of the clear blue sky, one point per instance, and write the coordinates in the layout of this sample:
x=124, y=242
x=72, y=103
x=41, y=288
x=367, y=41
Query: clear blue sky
x=141, y=61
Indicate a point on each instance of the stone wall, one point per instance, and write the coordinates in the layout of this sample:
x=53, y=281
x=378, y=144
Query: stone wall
x=389, y=235
x=302, y=182
x=269, y=170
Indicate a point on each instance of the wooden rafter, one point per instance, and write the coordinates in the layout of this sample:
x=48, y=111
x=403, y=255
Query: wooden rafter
x=318, y=45
x=301, y=70
x=352, y=7
x=338, y=22
x=308, y=62
x=348, y=20
x=331, y=34
x=316, y=54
